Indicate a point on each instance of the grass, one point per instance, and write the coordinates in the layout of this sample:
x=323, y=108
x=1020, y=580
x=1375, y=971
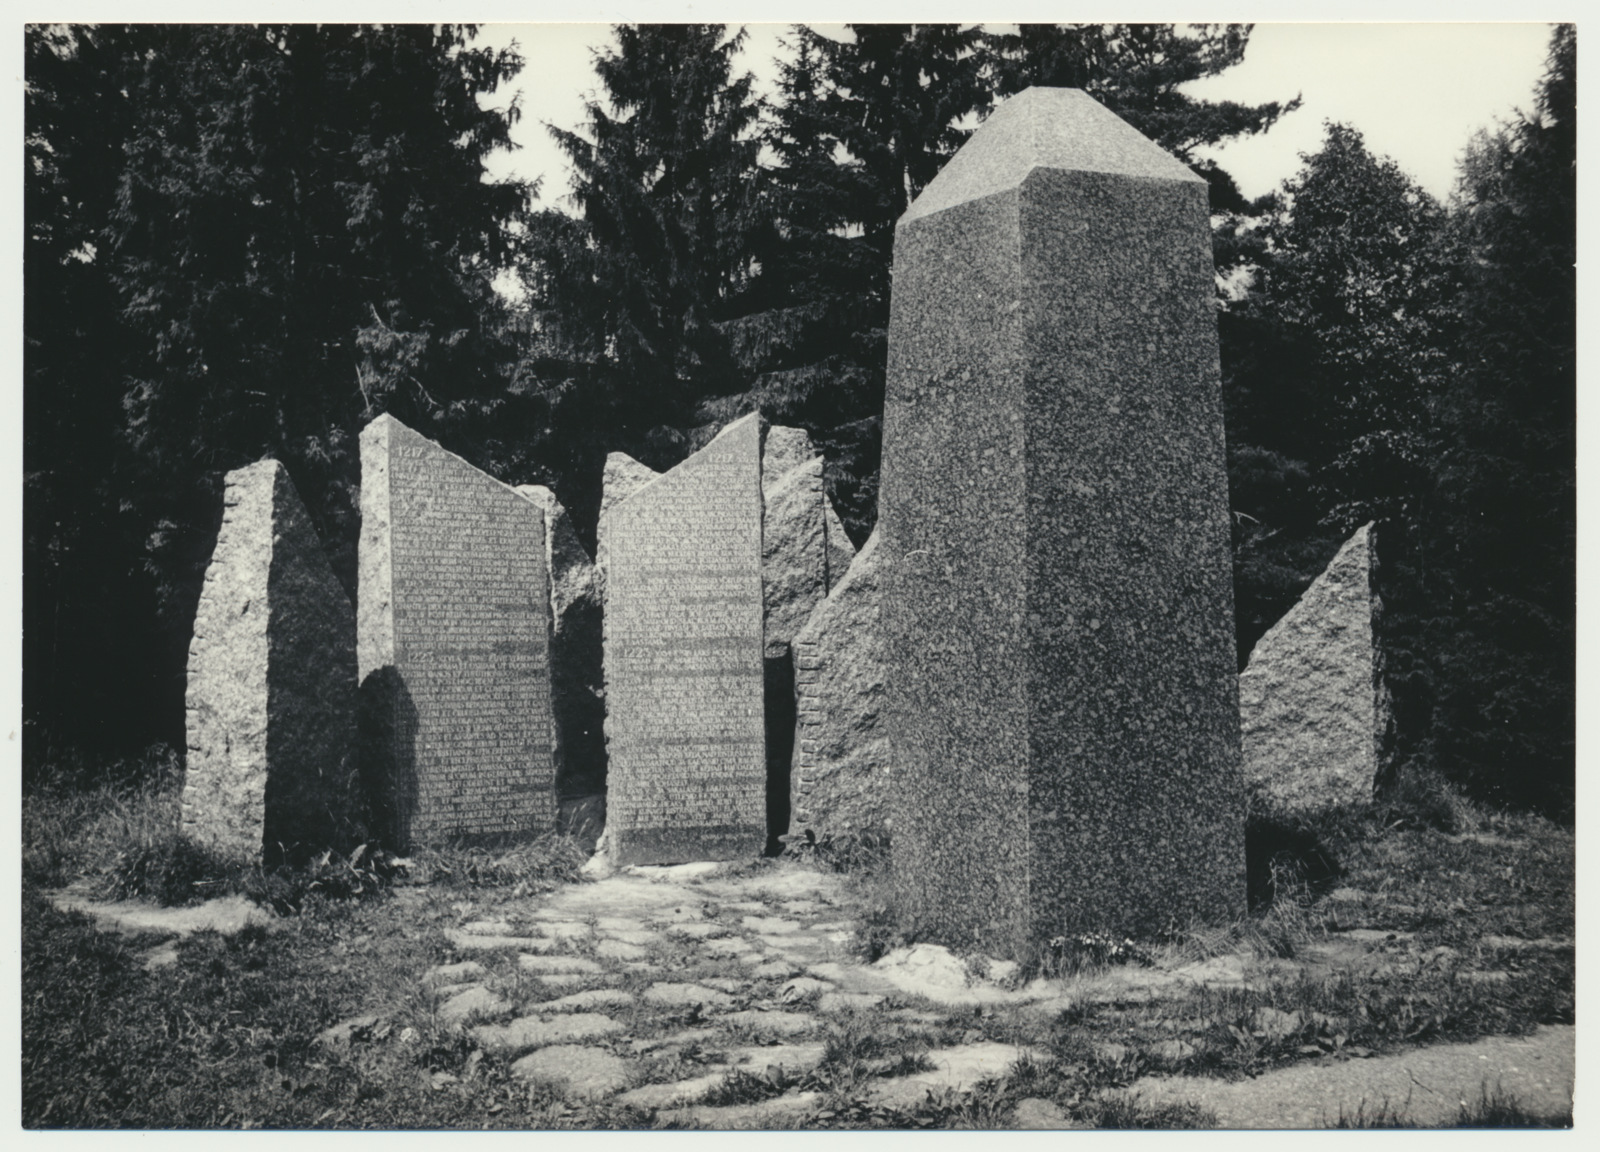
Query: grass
x=227, y=1037
x=1494, y=1108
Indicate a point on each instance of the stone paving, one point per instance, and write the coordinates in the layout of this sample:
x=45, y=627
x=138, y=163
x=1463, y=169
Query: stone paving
x=652, y=987
x=672, y=991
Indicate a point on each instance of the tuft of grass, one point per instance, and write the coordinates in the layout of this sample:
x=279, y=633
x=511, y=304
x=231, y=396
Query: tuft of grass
x=1494, y=1108
x=1422, y=798
x=1126, y=1111
x=537, y=865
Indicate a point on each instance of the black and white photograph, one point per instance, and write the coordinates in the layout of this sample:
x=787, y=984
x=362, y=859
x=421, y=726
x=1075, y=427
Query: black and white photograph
x=587, y=575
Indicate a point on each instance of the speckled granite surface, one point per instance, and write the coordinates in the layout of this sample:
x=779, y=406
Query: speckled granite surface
x=1311, y=706
x=1058, y=604
x=272, y=683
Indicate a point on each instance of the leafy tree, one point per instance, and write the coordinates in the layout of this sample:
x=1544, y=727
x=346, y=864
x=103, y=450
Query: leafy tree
x=1500, y=531
x=1333, y=351
x=282, y=230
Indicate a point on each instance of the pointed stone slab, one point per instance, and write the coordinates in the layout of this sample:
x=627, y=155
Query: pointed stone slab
x=683, y=660
x=805, y=551
x=1311, y=703
x=622, y=478
x=272, y=683
x=454, y=645
x=1057, y=608
x=576, y=676
x=840, y=775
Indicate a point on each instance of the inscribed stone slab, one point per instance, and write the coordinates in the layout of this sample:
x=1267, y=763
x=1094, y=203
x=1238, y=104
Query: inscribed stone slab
x=683, y=660
x=840, y=776
x=271, y=701
x=622, y=478
x=1311, y=705
x=576, y=676
x=453, y=645
x=1057, y=607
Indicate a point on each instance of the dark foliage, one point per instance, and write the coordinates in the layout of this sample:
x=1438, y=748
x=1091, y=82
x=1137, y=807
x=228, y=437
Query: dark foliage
x=1501, y=531
x=241, y=241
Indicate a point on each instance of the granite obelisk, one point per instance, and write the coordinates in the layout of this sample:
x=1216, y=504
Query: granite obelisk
x=1058, y=611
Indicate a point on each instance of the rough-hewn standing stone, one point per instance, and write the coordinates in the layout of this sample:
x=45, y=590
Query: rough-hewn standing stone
x=1057, y=605
x=576, y=676
x=683, y=660
x=1311, y=706
x=622, y=478
x=804, y=553
x=453, y=645
x=840, y=777
x=271, y=709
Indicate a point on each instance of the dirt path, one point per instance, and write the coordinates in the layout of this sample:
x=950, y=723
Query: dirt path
x=1427, y=1087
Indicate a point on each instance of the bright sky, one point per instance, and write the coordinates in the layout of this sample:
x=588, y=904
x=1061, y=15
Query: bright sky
x=1416, y=91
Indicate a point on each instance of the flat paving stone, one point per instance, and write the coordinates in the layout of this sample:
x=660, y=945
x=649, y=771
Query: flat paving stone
x=801, y=948
x=226, y=915
x=472, y=942
x=558, y=964
x=652, y=1096
x=756, y=1060
x=564, y=930
x=674, y=995
x=528, y=1032
x=780, y=1112
x=470, y=1003
x=673, y=1040
x=1429, y=1086
x=773, y=970
x=464, y=972
x=726, y=984
x=1036, y=1115
x=727, y=946
x=766, y=1022
x=697, y=870
x=563, y=980
x=852, y=977
x=697, y=930
x=620, y=950
x=771, y=925
x=956, y=1069
x=488, y=928
x=610, y=998
x=579, y=1071
x=848, y=1001
x=618, y=923
x=633, y=935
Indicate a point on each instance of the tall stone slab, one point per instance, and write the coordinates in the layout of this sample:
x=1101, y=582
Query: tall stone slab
x=1312, y=704
x=683, y=660
x=840, y=777
x=271, y=708
x=623, y=477
x=1062, y=686
x=576, y=676
x=453, y=645
x=798, y=561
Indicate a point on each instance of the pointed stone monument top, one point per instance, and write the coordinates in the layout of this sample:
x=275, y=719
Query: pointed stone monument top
x=1061, y=128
